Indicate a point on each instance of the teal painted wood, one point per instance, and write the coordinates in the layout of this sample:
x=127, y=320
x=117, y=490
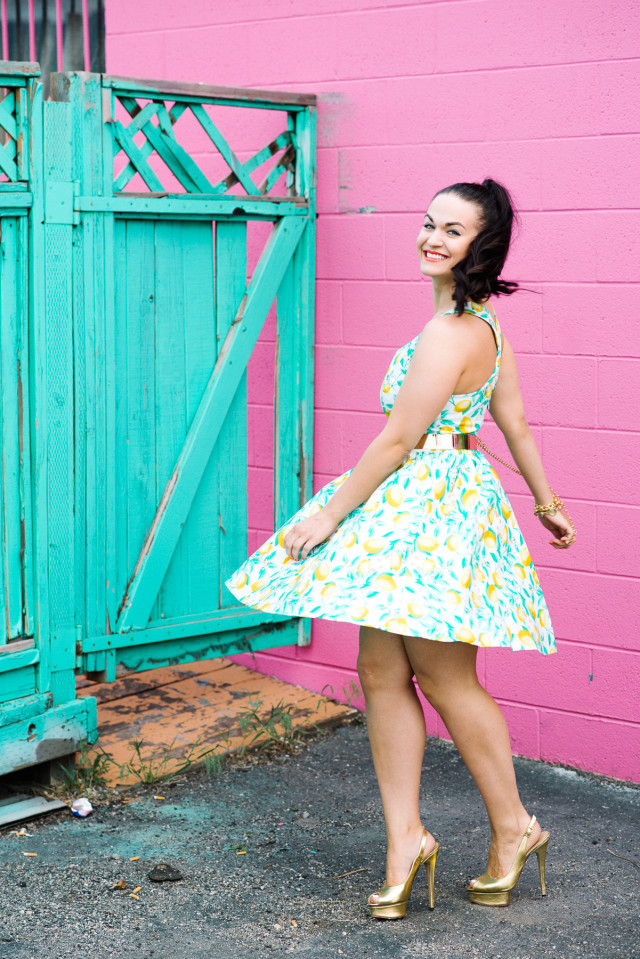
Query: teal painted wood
x=231, y=449
x=205, y=427
x=48, y=735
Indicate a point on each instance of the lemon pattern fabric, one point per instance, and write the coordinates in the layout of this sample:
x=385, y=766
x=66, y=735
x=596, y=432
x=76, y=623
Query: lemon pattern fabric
x=434, y=552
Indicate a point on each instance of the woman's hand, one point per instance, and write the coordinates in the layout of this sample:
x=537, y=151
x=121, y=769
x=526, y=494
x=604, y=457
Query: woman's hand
x=560, y=526
x=303, y=536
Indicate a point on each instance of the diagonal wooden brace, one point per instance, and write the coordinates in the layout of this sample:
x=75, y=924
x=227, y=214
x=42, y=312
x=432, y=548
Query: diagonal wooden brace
x=231, y=363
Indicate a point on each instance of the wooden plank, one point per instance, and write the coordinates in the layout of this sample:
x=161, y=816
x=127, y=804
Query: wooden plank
x=224, y=149
x=205, y=206
x=177, y=708
x=52, y=734
x=231, y=532
x=146, y=148
x=203, y=433
x=19, y=68
x=234, y=96
x=18, y=659
x=19, y=810
x=135, y=155
x=25, y=484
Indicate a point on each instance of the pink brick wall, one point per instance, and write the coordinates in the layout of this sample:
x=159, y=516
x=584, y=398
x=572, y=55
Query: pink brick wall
x=414, y=96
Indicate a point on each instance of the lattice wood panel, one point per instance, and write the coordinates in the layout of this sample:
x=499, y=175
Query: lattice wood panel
x=157, y=146
x=9, y=137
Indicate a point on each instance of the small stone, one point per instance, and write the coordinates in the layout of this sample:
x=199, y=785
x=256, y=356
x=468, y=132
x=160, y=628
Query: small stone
x=163, y=872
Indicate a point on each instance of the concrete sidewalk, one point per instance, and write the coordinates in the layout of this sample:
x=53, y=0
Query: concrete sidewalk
x=266, y=851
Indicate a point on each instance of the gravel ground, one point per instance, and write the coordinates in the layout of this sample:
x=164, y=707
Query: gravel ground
x=304, y=820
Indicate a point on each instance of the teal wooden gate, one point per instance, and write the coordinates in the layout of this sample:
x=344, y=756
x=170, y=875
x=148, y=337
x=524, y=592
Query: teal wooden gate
x=130, y=310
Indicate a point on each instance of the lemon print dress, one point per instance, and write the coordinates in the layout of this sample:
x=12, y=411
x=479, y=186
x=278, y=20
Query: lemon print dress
x=434, y=552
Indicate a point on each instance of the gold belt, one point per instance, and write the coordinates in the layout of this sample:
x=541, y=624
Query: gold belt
x=448, y=441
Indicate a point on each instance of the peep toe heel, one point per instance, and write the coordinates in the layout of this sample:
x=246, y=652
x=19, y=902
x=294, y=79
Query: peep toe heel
x=392, y=901
x=488, y=891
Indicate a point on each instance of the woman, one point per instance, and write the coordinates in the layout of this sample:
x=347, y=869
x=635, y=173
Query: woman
x=418, y=544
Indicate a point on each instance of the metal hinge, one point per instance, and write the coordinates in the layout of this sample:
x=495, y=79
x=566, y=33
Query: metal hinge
x=59, y=202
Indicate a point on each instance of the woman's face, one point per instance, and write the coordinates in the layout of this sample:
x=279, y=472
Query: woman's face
x=450, y=224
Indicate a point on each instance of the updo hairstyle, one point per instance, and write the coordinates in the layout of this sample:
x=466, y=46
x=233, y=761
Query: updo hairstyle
x=477, y=276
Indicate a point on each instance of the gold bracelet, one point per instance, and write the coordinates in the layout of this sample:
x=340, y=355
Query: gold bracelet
x=551, y=508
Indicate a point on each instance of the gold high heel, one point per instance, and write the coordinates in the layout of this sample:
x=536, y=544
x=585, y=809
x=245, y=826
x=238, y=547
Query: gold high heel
x=497, y=892
x=392, y=902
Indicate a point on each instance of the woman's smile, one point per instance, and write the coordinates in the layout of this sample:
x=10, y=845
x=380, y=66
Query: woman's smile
x=434, y=256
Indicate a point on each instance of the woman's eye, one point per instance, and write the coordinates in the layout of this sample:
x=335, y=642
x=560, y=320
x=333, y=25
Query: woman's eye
x=455, y=232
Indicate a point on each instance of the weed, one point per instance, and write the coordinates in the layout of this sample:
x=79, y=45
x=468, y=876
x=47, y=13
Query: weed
x=86, y=772
x=154, y=768
x=350, y=691
x=273, y=728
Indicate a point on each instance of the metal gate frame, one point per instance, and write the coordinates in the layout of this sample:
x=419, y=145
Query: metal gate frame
x=65, y=151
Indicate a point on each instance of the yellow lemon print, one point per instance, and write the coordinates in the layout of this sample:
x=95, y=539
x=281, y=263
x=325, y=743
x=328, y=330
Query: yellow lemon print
x=386, y=387
x=478, y=479
x=358, y=612
x=428, y=506
x=475, y=600
x=315, y=508
x=401, y=518
x=427, y=543
x=465, y=579
x=428, y=564
x=490, y=540
x=542, y=617
x=462, y=406
x=329, y=589
x=534, y=575
x=415, y=609
x=453, y=543
x=423, y=472
x=438, y=489
x=481, y=529
x=504, y=534
x=506, y=512
x=492, y=515
x=264, y=549
x=464, y=635
x=350, y=540
x=469, y=499
x=384, y=581
x=525, y=556
x=491, y=592
x=479, y=574
x=373, y=545
x=520, y=570
x=281, y=538
x=364, y=566
x=446, y=509
x=395, y=560
x=322, y=570
x=520, y=613
x=498, y=580
x=370, y=505
x=259, y=583
x=241, y=581
x=396, y=625
x=484, y=639
x=394, y=496
x=466, y=425
x=453, y=597
x=446, y=429
x=525, y=637
x=340, y=479
x=488, y=391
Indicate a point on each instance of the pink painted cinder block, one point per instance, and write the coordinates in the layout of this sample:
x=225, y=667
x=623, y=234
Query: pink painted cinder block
x=615, y=683
x=581, y=461
x=594, y=171
x=604, y=746
x=593, y=608
x=585, y=318
x=413, y=97
x=560, y=681
x=350, y=247
x=618, y=538
x=619, y=91
x=619, y=394
x=559, y=391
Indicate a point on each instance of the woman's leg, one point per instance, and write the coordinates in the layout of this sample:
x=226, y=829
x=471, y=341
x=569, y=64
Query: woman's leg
x=446, y=674
x=396, y=727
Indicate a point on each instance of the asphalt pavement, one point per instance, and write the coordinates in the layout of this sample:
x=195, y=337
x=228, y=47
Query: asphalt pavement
x=279, y=858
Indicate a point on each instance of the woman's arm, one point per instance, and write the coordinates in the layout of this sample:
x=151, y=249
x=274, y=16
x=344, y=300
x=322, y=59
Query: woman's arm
x=435, y=367
x=507, y=410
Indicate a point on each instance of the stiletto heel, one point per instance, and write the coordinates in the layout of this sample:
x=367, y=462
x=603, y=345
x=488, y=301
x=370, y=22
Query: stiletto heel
x=392, y=901
x=489, y=891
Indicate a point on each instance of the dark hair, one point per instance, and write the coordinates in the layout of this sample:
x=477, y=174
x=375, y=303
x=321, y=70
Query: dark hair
x=477, y=276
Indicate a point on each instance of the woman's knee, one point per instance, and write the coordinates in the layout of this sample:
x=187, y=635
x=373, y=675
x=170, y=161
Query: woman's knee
x=382, y=664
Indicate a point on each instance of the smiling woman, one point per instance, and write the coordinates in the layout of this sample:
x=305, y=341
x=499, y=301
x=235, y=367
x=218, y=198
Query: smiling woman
x=419, y=545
